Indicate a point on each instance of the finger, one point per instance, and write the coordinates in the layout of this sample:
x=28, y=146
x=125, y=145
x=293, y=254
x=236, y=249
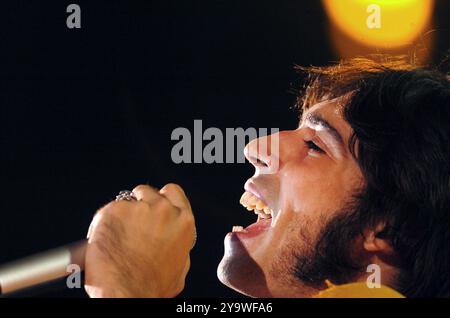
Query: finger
x=146, y=193
x=175, y=194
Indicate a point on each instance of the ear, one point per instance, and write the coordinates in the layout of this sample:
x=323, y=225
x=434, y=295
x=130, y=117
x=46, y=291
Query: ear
x=373, y=243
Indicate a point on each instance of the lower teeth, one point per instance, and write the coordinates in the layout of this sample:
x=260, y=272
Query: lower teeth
x=238, y=229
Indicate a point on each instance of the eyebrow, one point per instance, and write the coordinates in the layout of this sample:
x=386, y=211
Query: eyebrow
x=316, y=119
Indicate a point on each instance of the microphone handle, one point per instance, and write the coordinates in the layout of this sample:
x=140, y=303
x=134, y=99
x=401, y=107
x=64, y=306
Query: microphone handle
x=41, y=268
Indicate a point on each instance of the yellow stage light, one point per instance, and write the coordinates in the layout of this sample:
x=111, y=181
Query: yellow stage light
x=380, y=23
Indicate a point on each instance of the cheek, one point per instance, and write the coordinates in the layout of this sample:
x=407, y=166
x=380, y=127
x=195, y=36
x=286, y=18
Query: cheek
x=304, y=187
x=313, y=187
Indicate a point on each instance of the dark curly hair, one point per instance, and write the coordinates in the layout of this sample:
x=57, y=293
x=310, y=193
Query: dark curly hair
x=400, y=116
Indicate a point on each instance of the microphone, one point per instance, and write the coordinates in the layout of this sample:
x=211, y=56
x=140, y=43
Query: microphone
x=41, y=268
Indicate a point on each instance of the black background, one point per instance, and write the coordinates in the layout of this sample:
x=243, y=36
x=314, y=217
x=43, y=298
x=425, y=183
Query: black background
x=88, y=112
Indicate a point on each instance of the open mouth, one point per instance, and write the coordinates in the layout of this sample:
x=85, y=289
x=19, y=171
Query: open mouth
x=260, y=208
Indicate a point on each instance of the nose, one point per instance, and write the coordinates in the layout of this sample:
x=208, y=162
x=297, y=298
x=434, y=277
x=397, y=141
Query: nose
x=263, y=154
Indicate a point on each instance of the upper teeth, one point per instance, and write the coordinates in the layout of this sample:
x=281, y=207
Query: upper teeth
x=252, y=203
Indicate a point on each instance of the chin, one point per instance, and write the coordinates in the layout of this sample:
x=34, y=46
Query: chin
x=233, y=277
x=226, y=277
x=237, y=270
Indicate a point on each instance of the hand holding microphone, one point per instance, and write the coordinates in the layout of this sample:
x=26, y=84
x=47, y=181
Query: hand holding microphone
x=141, y=248
x=138, y=246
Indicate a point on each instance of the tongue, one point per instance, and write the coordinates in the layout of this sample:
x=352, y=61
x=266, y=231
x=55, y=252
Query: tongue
x=258, y=227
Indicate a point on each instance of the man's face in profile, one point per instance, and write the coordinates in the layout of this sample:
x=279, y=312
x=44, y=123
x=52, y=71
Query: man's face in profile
x=314, y=179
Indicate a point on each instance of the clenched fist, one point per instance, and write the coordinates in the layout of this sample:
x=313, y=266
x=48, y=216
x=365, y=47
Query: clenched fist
x=141, y=248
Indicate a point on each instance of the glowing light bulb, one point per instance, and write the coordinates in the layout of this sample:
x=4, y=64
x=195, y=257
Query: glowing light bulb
x=380, y=23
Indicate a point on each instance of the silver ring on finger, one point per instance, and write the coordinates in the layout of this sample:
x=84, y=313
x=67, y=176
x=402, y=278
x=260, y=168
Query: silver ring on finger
x=126, y=195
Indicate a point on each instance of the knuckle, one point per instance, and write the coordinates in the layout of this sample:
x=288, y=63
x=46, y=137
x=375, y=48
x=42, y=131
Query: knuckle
x=142, y=188
x=105, y=226
x=172, y=187
x=119, y=211
x=106, y=207
x=115, y=207
x=104, y=211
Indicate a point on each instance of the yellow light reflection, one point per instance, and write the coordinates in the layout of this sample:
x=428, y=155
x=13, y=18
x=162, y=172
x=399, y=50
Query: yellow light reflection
x=380, y=23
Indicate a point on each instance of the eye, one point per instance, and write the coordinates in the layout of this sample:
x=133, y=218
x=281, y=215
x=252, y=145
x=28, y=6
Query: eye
x=313, y=147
